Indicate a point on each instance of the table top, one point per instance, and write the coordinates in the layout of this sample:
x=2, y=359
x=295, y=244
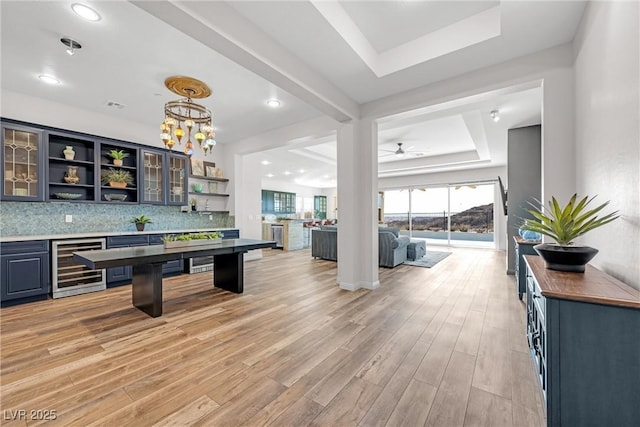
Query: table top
x=138, y=255
x=519, y=240
x=592, y=286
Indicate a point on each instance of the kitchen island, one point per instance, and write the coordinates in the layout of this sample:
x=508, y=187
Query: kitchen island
x=147, y=263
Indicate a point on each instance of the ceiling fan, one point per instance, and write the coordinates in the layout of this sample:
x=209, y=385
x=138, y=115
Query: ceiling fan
x=401, y=152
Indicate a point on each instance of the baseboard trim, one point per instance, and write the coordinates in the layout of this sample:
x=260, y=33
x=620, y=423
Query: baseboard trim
x=360, y=285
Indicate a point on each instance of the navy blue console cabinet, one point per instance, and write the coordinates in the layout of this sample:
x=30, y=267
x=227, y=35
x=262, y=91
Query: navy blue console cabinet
x=584, y=337
x=523, y=247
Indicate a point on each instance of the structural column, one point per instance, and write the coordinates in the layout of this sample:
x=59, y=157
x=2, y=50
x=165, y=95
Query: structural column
x=357, y=204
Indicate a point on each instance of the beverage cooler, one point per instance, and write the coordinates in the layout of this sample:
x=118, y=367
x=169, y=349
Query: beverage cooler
x=69, y=278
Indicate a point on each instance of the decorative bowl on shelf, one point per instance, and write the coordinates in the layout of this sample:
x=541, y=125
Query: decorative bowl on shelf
x=115, y=197
x=68, y=196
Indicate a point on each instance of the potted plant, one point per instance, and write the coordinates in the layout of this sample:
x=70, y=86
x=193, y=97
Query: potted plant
x=140, y=221
x=117, y=156
x=116, y=178
x=564, y=224
x=192, y=239
x=194, y=203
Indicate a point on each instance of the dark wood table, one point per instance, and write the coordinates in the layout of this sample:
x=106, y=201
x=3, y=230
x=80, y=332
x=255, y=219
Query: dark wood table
x=146, y=290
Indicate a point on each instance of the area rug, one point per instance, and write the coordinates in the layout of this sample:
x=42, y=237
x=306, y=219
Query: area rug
x=429, y=260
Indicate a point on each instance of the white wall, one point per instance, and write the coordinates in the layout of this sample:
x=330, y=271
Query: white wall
x=607, y=130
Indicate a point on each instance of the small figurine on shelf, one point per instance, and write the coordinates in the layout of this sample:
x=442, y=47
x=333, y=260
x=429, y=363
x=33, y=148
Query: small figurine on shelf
x=68, y=152
x=194, y=202
x=71, y=176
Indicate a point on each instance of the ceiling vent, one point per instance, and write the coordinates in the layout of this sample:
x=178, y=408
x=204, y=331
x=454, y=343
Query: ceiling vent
x=114, y=104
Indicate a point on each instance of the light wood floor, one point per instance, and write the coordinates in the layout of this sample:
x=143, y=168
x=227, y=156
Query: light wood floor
x=442, y=346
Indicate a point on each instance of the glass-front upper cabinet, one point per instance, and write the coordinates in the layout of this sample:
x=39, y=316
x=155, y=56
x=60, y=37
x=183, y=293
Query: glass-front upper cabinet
x=153, y=184
x=177, y=180
x=22, y=164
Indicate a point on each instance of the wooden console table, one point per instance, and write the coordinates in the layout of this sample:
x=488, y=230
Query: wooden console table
x=584, y=337
x=146, y=290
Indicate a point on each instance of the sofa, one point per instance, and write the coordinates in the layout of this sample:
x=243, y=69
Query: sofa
x=392, y=248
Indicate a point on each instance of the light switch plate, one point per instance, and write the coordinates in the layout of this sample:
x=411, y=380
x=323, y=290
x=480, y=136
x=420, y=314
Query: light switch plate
x=68, y=218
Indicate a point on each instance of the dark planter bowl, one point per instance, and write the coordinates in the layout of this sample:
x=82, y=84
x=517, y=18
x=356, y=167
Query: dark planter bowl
x=140, y=227
x=565, y=258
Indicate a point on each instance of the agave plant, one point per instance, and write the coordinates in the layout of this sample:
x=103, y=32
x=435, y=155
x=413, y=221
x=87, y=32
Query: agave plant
x=564, y=224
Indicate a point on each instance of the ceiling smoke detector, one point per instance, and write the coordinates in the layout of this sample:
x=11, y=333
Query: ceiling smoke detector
x=71, y=44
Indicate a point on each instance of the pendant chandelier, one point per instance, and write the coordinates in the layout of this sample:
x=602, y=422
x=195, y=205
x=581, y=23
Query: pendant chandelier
x=182, y=117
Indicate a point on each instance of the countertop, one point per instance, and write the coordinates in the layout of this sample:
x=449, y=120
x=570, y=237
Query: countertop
x=104, y=234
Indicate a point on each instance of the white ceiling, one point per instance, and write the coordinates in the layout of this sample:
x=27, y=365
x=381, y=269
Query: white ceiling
x=318, y=57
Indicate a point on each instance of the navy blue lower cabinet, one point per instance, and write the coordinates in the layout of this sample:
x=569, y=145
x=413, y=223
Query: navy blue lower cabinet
x=230, y=234
x=26, y=274
x=583, y=331
x=118, y=276
x=170, y=267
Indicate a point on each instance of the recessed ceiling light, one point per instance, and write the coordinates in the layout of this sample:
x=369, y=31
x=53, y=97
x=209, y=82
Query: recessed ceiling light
x=269, y=175
x=273, y=103
x=326, y=177
x=85, y=12
x=265, y=162
x=49, y=79
x=287, y=173
x=301, y=170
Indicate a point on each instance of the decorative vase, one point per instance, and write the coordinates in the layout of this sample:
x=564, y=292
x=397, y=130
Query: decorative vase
x=197, y=188
x=118, y=184
x=68, y=152
x=71, y=176
x=117, y=162
x=565, y=258
x=140, y=227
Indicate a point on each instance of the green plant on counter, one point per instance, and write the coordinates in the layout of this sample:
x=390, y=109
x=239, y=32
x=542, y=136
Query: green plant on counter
x=118, y=154
x=192, y=236
x=142, y=219
x=563, y=224
x=116, y=175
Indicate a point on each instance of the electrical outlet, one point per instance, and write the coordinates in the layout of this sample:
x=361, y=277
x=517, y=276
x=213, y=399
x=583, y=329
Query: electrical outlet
x=68, y=218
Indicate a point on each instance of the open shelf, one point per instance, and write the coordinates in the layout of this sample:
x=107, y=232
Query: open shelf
x=208, y=194
x=71, y=162
x=209, y=178
x=110, y=165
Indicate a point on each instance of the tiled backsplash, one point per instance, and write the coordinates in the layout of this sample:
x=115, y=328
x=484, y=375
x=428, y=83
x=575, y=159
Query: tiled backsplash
x=32, y=218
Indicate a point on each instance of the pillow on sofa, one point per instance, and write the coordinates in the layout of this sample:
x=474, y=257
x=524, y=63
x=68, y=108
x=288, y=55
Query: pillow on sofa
x=394, y=230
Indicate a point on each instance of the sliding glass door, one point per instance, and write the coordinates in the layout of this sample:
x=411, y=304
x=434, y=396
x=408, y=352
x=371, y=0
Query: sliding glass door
x=453, y=214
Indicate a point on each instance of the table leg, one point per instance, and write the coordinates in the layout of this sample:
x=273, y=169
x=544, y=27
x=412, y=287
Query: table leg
x=146, y=289
x=228, y=272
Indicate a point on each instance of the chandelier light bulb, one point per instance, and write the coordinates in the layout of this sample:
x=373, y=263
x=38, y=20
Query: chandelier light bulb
x=199, y=137
x=179, y=133
x=188, y=149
